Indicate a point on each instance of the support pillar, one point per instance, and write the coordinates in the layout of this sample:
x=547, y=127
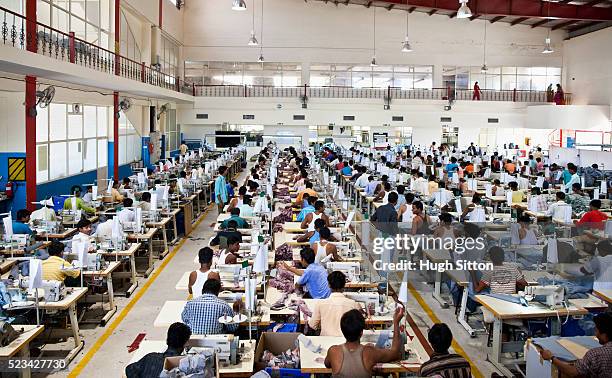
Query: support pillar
x=30, y=130
x=116, y=135
x=117, y=36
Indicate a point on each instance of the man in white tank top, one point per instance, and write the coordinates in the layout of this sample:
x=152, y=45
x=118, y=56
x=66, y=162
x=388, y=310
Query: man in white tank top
x=319, y=213
x=230, y=254
x=198, y=277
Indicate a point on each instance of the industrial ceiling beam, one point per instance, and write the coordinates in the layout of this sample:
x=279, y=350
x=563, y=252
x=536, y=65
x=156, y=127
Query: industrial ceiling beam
x=495, y=19
x=519, y=20
x=561, y=10
x=540, y=23
x=474, y=17
x=432, y=12
x=563, y=24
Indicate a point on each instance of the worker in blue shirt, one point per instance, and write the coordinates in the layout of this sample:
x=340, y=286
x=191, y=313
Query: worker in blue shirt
x=452, y=167
x=230, y=188
x=221, y=189
x=348, y=168
x=20, y=226
x=313, y=278
x=308, y=207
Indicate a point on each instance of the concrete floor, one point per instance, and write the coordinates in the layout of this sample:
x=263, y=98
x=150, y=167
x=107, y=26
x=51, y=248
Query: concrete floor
x=111, y=357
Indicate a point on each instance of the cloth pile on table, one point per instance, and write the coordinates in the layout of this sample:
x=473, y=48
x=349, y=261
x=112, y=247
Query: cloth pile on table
x=286, y=215
x=299, y=306
x=201, y=365
x=282, y=194
x=283, y=281
x=278, y=227
x=283, y=253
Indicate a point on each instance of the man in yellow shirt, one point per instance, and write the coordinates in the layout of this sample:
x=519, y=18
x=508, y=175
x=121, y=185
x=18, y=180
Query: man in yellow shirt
x=55, y=267
x=300, y=196
x=328, y=312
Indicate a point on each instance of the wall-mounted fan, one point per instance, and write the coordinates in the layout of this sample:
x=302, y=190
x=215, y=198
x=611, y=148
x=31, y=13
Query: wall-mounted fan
x=124, y=105
x=162, y=110
x=43, y=99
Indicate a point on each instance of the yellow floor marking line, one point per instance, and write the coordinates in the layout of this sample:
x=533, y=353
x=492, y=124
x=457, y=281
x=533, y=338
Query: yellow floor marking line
x=475, y=372
x=111, y=328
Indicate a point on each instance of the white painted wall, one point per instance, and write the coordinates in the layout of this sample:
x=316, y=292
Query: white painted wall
x=296, y=31
x=148, y=12
x=12, y=122
x=574, y=117
x=588, y=68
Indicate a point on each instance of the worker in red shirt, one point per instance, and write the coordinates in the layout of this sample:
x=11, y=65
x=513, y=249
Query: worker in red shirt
x=593, y=218
x=476, y=95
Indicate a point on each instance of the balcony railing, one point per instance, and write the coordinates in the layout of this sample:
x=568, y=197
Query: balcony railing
x=66, y=47
x=389, y=93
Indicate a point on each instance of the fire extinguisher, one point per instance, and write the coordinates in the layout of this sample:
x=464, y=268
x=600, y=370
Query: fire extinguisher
x=9, y=189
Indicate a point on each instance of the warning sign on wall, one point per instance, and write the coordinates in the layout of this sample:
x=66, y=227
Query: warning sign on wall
x=16, y=169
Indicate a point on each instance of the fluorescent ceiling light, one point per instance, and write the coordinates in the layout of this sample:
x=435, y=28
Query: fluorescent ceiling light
x=406, y=46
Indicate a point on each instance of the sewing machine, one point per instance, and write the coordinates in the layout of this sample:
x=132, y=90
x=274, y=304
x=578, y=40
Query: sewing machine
x=17, y=241
x=70, y=216
x=47, y=227
x=230, y=272
x=552, y=296
x=53, y=291
x=372, y=300
x=352, y=270
x=7, y=333
x=151, y=216
x=225, y=346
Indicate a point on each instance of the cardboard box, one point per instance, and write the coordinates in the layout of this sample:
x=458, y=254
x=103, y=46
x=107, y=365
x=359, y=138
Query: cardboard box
x=275, y=343
x=172, y=362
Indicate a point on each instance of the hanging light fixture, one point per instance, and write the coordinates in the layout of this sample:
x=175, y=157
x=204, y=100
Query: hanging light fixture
x=373, y=62
x=253, y=39
x=547, y=46
x=484, y=67
x=464, y=11
x=406, y=45
x=239, y=5
x=261, y=57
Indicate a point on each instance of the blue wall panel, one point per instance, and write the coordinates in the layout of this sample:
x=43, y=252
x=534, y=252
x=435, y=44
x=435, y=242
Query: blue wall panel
x=19, y=188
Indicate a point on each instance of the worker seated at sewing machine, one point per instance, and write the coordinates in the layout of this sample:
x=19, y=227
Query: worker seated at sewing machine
x=126, y=215
x=197, y=278
x=600, y=266
x=84, y=235
x=76, y=203
x=324, y=249
x=45, y=213
x=230, y=231
x=230, y=254
x=205, y=314
x=20, y=224
x=235, y=216
x=352, y=359
x=58, y=269
x=442, y=363
x=328, y=312
x=313, y=277
x=597, y=362
x=152, y=364
x=145, y=201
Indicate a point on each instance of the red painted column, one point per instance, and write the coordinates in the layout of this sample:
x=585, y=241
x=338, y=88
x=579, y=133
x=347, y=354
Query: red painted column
x=30, y=140
x=116, y=135
x=30, y=103
x=117, y=35
x=161, y=12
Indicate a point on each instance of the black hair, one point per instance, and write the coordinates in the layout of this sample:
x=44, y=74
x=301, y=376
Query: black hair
x=178, y=335
x=246, y=200
x=235, y=211
x=319, y=223
x=325, y=233
x=576, y=186
x=242, y=190
x=146, y=196
x=595, y=203
x=336, y=280
x=308, y=184
x=401, y=189
x=418, y=205
x=222, y=169
x=308, y=255
x=127, y=202
x=84, y=222
x=560, y=195
x=387, y=186
x=605, y=247
x=497, y=255
x=445, y=218
x=319, y=205
x=535, y=191
x=74, y=189
x=603, y=322
x=409, y=197
x=56, y=248
x=513, y=185
x=352, y=324
x=440, y=337
x=231, y=239
x=524, y=219
x=183, y=174
x=205, y=255
x=23, y=214
x=211, y=286
x=471, y=229
x=392, y=198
